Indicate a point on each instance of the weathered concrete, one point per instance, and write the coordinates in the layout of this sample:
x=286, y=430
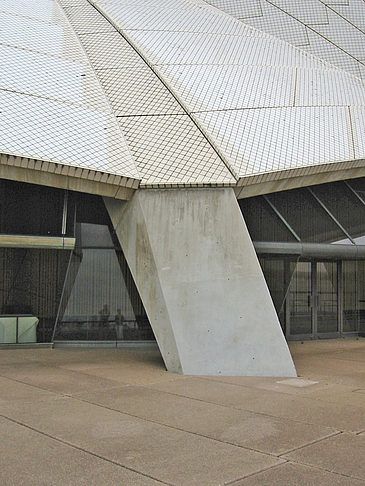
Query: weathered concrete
x=197, y=273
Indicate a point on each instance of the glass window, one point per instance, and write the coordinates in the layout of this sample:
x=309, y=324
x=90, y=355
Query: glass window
x=262, y=222
x=31, y=287
x=345, y=207
x=306, y=216
x=100, y=301
x=278, y=273
x=327, y=311
x=361, y=294
x=300, y=300
x=351, y=305
x=28, y=209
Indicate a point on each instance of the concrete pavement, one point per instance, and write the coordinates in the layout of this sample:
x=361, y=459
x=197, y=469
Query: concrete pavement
x=116, y=417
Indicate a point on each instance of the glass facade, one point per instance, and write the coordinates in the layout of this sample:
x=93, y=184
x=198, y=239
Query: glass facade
x=85, y=294
x=314, y=296
x=100, y=301
x=31, y=286
x=28, y=209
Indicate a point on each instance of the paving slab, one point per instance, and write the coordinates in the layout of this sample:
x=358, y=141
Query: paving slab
x=32, y=459
x=297, y=408
x=164, y=453
x=11, y=390
x=291, y=386
x=346, y=395
x=343, y=454
x=297, y=475
x=351, y=355
x=141, y=406
x=54, y=378
x=128, y=373
x=240, y=427
x=333, y=367
x=324, y=346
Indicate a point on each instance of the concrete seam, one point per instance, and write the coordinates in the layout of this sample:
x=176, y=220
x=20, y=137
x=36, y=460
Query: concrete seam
x=178, y=428
x=326, y=470
x=252, y=411
x=255, y=473
x=74, y=446
x=75, y=397
x=315, y=441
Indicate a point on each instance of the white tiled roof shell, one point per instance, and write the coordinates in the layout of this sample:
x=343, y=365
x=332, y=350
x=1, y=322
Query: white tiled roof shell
x=265, y=105
x=330, y=29
x=52, y=107
x=166, y=143
x=200, y=98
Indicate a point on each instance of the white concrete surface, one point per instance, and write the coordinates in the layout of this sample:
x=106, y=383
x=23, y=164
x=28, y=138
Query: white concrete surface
x=200, y=281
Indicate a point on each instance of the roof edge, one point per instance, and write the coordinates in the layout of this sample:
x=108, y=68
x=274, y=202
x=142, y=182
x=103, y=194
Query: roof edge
x=299, y=177
x=45, y=173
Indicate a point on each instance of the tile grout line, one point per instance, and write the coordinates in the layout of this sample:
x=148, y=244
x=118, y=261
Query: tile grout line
x=74, y=446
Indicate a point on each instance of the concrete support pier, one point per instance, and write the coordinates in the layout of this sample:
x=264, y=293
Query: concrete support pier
x=198, y=276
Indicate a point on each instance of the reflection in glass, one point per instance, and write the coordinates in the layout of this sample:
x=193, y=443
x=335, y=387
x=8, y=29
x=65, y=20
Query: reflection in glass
x=300, y=299
x=327, y=315
x=350, y=296
x=345, y=207
x=361, y=294
x=262, y=222
x=31, y=285
x=306, y=216
x=100, y=301
x=278, y=273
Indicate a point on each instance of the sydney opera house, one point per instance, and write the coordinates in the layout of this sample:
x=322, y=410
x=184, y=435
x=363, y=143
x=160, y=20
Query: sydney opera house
x=185, y=171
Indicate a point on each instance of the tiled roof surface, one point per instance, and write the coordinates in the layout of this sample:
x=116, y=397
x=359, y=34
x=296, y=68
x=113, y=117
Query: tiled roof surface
x=180, y=92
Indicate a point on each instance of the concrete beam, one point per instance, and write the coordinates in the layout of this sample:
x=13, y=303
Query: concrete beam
x=323, y=175
x=16, y=169
x=198, y=276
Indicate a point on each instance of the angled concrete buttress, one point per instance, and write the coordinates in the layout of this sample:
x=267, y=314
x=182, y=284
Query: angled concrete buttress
x=198, y=276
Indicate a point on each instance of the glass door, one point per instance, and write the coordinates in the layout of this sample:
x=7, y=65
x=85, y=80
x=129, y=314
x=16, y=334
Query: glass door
x=312, y=301
x=326, y=298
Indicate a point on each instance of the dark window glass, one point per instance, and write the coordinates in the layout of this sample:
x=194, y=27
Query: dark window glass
x=278, y=273
x=100, y=300
x=300, y=300
x=327, y=312
x=306, y=216
x=30, y=209
x=361, y=294
x=351, y=304
x=345, y=207
x=262, y=222
x=30, y=288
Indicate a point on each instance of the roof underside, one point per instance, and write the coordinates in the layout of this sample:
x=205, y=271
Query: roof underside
x=174, y=93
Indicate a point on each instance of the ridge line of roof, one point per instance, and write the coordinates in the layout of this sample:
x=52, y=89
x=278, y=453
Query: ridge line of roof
x=106, y=99
x=173, y=93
